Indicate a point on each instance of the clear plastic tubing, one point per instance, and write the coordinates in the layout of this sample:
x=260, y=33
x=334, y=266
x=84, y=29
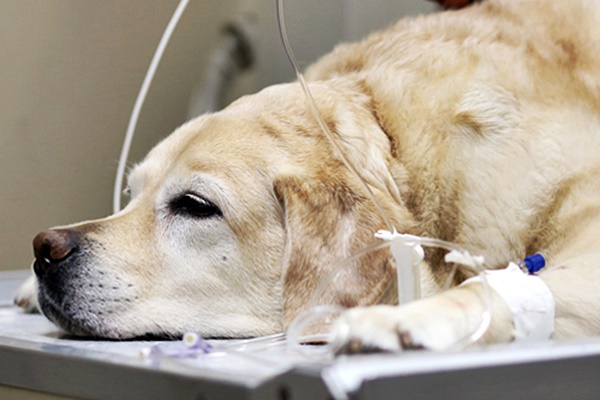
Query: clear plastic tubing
x=139, y=102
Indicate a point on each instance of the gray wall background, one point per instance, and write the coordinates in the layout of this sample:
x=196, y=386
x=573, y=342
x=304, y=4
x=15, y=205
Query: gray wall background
x=70, y=71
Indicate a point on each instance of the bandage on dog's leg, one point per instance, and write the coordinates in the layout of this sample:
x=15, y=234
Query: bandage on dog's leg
x=528, y=298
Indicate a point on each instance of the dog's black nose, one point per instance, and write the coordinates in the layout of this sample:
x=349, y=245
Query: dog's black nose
x=51, y=248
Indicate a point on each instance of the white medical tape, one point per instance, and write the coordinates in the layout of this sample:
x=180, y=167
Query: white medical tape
x=528, y=298
x=465, y=258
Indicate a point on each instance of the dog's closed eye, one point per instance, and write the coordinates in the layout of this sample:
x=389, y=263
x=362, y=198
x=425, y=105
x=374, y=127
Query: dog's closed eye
x=194, y=206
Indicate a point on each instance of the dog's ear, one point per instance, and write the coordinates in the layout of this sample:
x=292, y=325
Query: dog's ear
x=327, y=221
x=329, y=215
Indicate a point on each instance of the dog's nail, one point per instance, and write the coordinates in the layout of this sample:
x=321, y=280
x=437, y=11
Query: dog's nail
x=407, y=341
x=354, y=346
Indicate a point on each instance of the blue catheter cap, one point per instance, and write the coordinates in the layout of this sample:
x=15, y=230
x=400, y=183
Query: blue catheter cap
x=535, y=262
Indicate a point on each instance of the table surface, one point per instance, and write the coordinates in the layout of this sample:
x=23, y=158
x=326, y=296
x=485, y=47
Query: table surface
x=35, y=355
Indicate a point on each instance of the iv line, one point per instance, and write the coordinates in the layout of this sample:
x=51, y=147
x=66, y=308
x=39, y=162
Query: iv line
x=315, y=111
x=140, y=101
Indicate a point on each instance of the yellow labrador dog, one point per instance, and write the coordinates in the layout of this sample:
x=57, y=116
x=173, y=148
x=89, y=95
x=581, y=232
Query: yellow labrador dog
x=479, y=127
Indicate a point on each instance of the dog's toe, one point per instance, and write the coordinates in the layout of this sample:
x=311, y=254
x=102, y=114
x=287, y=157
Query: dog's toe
x=408, y=342
x=26, y=295
x=365, y=330
x=357, y=346
x=421, y=325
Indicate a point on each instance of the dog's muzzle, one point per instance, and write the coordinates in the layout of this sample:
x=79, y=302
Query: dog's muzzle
x=52, y=248
x=69, y=293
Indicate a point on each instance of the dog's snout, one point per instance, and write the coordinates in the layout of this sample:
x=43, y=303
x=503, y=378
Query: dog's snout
x=52, y=247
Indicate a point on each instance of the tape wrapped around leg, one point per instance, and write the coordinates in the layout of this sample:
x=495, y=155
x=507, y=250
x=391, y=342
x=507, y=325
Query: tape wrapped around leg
x=528, y=298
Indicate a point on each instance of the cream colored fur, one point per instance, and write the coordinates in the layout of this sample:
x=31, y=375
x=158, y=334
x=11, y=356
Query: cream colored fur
x=479, y=126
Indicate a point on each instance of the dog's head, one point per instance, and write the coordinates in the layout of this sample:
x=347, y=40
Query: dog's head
x=233, y=221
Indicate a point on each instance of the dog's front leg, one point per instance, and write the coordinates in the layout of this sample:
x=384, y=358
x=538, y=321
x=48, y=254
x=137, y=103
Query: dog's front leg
x=435, y=323
x=575, y=285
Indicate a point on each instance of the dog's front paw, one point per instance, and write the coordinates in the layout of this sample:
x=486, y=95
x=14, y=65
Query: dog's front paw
x=436, y=323
x=386, y=328
x=26, y=296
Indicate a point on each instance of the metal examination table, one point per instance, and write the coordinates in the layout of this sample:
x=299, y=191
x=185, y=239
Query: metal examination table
x=34, y=355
